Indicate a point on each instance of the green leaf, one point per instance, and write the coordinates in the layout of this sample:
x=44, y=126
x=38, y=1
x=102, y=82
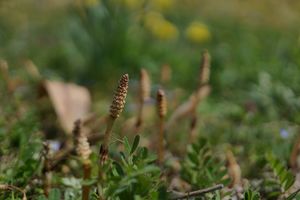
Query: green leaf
x=119, y=168
x=217, y=196
x=289, y=181
x=54, y=194
x=89, y=181
x=135, y=144
x=226, y=181
x=127, y=145
x=42, y=198
x=145, y=170
x=162, y=193
x=285, y=177
x=274, y=194
x=251, y=195
x=201, y=168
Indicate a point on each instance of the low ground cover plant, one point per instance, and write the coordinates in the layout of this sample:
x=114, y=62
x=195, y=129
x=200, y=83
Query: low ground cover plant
x=154, y=147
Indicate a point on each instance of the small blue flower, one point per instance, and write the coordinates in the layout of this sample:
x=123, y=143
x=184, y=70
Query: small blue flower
x=54, y=145
x=284, y=133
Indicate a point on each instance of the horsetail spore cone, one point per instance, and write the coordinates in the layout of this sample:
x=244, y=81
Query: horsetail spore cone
x=84, y=151
x=82, y=145
x=115, y=110
x=144, y=94
x=145, y=85
x=83, y=148
x=119, y=98
x=161, y=103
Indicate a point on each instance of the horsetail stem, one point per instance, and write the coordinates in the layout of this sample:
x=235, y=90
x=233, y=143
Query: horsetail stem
x=46, y=169
x=115, y=110
x=161, y=111
x=144, y=94
x=84, y=151
x=204, y=68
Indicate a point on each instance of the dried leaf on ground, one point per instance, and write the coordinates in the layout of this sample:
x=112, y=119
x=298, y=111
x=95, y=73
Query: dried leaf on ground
x=70, y=102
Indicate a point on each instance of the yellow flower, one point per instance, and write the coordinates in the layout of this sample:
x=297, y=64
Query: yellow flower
x=162, y=4
x=198, y=32
x=160, y=27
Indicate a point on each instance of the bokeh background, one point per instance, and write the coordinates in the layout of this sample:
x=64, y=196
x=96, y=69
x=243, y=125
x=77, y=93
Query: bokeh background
x=89, y=41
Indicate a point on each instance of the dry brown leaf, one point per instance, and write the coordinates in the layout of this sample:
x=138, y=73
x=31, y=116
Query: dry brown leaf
x=70, y=102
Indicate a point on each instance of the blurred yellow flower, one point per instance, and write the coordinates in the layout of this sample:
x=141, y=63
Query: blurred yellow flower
x=160, y=27
x=162, y=4
x=133, y=4
x=197, y=32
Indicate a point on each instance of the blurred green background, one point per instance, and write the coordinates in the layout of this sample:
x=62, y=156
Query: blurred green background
x=90, y=41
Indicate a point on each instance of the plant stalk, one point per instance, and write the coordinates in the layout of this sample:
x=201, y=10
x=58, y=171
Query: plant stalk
x=198, y=192
x=86, y=175
x=103, y=154
x=161, y=152
x=139, y=120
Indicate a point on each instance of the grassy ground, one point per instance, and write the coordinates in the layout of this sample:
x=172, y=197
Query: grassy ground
x=243, y=133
